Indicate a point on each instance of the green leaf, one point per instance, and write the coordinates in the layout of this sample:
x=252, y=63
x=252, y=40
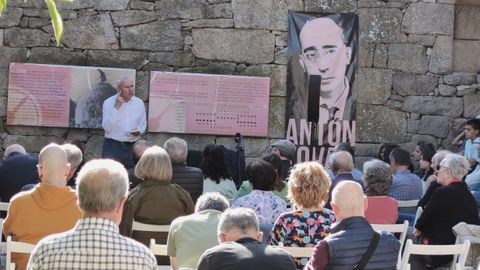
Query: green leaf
x=56, y=20
x=3, y=5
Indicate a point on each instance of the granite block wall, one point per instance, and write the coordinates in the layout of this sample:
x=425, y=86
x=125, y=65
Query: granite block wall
x=418, y=75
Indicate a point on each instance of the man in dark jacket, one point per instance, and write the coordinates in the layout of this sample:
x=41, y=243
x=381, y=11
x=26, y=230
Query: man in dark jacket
x=16, y=170
x=349, y=239
x=189, y=178
x=240, y=246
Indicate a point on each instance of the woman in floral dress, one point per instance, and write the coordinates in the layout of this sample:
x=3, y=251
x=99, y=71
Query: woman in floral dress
x=305, y=227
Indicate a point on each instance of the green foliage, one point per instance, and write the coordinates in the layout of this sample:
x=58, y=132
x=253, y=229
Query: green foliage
x=3, y=5
x=57, y=22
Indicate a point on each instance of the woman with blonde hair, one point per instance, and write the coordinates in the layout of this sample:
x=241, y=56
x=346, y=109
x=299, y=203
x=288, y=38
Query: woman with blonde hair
x=304, y=227
x=155, y=200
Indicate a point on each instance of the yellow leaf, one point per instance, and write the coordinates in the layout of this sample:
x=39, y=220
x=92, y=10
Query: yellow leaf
x=56, y=20
x=3, y=5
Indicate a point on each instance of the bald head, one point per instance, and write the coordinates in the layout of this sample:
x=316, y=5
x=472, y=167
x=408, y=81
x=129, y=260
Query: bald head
x=14, y=148
x=341, y=162
x=53, y=166
x=348, y=200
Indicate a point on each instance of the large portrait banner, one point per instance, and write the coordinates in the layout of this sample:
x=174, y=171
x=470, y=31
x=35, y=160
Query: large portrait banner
x=208, y=104
x=60, y=96
x=322, y=59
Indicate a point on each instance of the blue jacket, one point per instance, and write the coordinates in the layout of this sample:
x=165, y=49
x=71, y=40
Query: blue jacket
x=349, y=240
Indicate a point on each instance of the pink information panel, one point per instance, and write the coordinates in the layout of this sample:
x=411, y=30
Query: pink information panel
x=208, y=104
x=38, y=95
x=60, y=96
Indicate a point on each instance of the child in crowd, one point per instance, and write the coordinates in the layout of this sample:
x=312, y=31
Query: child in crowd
x=472, y=143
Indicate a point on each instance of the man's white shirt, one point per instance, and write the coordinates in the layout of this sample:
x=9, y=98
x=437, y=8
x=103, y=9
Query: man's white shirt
x=129, y=117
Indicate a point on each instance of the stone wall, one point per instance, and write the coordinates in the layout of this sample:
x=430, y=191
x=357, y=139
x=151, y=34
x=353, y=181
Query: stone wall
x=414, y=80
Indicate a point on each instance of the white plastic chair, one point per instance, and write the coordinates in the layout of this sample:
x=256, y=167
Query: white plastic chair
x=138, y=226
x=158, y=249
x=16, y=247
x=4, y=206
x=410, y=203
x=415, y=249
x=395, y=228
x=297, y=252
x=417, y=215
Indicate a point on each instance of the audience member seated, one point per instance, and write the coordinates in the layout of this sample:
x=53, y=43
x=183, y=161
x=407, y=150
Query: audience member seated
x=241, y=248
x=262, y=200
x=449, y=204
x=79, y=147
x=51, y=207
x=427, y=150
x=472, y=143
x=287, y=152
x=280, y=187
x=417, y=155
x=425, y=163
x=189, y=178
x=16, y=170
x=137, y=151
x=385, y=150
x=350, y=237
x=155, y=200
x=95, y=243
x=215, y=172
x=432, y=179
x=310, y=222
x=74, y=157
x=357, y=174
x=406, y=185
x=472, y=153
x=473, y=182
x=341, y=164
x=381, y=209
x=191, y=235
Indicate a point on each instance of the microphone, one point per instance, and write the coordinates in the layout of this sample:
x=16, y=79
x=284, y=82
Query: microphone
x=313, y=100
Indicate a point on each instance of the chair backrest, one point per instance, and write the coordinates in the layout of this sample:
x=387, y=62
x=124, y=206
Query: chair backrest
x=157, y=249
x=3, y=245
x=410, y=203
x=417, y=215
x=298, y=252
x=138, y=226
x=460, y=249
x=16, y=247
x=4, y=206
x=395, y=228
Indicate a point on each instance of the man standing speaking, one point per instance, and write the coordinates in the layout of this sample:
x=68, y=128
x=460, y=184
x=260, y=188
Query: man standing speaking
x=124, y=120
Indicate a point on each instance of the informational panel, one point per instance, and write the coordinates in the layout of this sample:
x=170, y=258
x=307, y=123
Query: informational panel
x=60, y=96
x=208, y=104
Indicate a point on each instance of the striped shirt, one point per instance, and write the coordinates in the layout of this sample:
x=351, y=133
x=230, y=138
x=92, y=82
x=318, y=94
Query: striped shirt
x=94, y=243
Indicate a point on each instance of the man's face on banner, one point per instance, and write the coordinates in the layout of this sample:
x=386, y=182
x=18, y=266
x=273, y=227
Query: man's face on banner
x=324, y=53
